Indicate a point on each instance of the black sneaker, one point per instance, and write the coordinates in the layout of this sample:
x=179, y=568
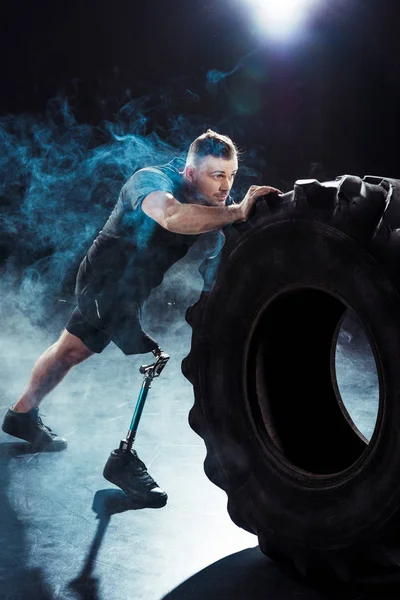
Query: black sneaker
x=129, y=473
x=29, y=426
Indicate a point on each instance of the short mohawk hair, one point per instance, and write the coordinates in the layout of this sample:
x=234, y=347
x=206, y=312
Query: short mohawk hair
x=211, y=143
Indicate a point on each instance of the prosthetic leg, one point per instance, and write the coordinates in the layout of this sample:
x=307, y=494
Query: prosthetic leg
x=123, y=467
x=149, y=372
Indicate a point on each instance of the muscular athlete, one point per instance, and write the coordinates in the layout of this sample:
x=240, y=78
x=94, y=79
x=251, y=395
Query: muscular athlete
x=160, y=213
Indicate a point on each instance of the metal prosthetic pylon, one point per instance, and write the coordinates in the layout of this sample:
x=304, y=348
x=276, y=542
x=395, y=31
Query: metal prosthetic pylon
x=149, y=372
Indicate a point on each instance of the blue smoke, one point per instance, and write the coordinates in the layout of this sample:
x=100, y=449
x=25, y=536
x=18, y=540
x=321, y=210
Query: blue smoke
x=60, y=179
x=215, y=77
x=58, y=184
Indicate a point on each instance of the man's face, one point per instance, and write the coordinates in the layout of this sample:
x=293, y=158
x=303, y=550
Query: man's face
x=211, y=180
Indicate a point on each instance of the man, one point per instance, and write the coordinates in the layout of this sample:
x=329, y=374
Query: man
x=160, y=213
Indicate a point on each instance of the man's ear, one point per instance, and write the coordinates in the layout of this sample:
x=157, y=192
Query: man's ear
x=189, y=173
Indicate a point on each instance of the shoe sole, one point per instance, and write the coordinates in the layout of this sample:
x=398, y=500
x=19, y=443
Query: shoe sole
x=57, y=447
x=44, y=447
x=160, y=502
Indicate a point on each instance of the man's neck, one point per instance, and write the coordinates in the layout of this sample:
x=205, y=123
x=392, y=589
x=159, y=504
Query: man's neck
x=190, y=193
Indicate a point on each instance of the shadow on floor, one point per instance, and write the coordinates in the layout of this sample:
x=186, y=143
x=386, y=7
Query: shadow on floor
x=17, y=581
x=245, y=575
x=249, y=575
x=106, y=503
x=13, y=449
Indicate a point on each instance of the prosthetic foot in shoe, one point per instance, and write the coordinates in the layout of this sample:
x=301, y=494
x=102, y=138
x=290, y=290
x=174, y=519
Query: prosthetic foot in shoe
x=129, y=473
x=30, y=427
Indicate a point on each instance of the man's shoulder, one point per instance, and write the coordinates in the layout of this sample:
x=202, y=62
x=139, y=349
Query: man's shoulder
x=172, y=169
x=166, y=177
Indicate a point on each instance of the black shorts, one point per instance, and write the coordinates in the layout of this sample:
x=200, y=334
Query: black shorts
x=94, y=338
x=126, y=333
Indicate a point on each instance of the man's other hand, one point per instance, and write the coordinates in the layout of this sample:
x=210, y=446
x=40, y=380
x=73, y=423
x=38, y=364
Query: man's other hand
x=254, y=192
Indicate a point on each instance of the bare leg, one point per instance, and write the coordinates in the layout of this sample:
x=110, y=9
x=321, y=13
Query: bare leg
x=51, y=368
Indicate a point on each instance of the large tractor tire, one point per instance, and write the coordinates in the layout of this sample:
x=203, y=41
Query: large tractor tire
x=297, y=471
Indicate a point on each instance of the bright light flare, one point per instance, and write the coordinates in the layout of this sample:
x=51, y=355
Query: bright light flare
x=282, y=18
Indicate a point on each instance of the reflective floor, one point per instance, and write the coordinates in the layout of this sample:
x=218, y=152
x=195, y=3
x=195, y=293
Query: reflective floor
x=49, y=509
x=67, y=533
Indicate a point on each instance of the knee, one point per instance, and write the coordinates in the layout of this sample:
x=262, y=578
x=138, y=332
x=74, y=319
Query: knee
x=71, y=357
x=71, y=351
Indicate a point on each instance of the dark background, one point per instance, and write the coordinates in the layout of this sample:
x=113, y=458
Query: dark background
x=74, y=75
x=332, y=99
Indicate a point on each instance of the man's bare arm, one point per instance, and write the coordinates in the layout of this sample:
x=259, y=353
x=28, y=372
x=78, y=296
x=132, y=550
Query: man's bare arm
x=192, y=219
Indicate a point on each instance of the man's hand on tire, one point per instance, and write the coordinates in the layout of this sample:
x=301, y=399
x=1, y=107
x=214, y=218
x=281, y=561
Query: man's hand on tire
x=255, y=192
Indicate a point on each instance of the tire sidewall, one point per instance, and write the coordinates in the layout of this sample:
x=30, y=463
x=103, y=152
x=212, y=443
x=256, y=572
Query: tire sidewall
x=336, y=510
